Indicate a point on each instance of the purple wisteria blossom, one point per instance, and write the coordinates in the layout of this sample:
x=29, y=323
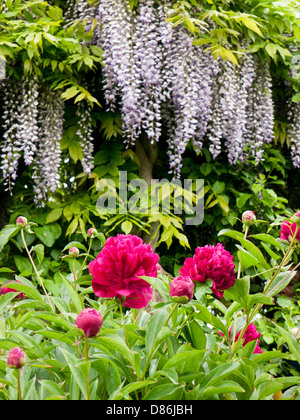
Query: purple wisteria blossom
x=294, y=133
x=48, y=156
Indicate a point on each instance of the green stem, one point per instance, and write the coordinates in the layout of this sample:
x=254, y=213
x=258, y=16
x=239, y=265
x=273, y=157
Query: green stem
x=83, y=264
x=19, y=385
x=87, y=359
x=35, y=269
x=240, y=265
x=286, y=255
x=170, y=314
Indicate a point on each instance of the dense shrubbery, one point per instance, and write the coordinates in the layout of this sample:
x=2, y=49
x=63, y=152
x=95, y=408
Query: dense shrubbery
x=202, y=340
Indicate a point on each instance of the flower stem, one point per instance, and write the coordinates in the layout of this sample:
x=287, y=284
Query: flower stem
x=240, y=265
x=35, y=269
x=86, y=351
x=19, y=384
x=170, y=314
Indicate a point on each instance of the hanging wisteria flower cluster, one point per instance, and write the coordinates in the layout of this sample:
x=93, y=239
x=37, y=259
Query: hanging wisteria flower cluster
x=33, y=127
x=156, y=75
x=294, y=133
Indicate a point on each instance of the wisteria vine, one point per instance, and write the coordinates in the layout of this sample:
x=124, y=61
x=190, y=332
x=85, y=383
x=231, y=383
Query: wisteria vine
x=160, y=81
x=157, y=76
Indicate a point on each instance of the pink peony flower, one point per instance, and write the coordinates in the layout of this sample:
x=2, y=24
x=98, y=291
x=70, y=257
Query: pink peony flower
x=117, y=269
x=288, y=230
x=90, y=321
x=182, y=289
x=214, y=263
x=16, y=358
x=4, y=289
x=251, y=334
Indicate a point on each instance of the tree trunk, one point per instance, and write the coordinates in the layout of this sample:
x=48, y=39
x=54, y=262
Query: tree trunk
x=147, y=154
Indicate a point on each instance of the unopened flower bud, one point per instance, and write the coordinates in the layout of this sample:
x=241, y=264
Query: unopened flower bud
x=73, y=252
x=21, y=220
x=182, y=289
x=248, y=218
x=16, y=358
x=92, y=232
x=90, y=321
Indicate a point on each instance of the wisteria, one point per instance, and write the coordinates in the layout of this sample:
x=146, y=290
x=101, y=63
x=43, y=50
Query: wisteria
x=160, y=81
x=294, y=133
x=157, y=76
x=85, y=133
x=10, y=150
x=33, y=128
x=47, y=161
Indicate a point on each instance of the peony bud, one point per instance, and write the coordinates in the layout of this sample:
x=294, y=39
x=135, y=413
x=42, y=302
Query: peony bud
x=21, y=220
x=73, y=252
x=182, y=289
x=90, y=321
x=16, y=358
x=248, y=218
x=92, y=232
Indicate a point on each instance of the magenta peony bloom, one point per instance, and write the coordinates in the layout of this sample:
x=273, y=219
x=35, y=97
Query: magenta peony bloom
x=117, y=269
x=182, y=287
x=16, y=358
x=251, y=334
x=90, y=321
x=4, y=289
x=288, y=230
x=211, y=262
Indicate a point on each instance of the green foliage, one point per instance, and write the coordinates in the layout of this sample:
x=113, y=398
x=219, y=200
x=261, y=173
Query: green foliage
x=172, y=352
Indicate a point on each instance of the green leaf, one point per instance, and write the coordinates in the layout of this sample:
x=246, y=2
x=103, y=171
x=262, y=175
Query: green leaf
x=197, y=335
x=267, y=238
x=48, y=234
x=53, y=387
x=216, y=376
x=39, y=249
x=279, y=283
x=223, y=388
x=155, y=325
x=126, y=227
x=73, y=294
x=164, y=392
x=77, y=370
x=23, y=264
x=54, y=215
x=7, y=233
x=188, y=356
x=293, y=344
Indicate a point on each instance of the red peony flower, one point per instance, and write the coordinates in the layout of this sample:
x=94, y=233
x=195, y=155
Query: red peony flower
x=117, y=269
x=4, y=289
x=251, y=334
x=16, y=358
x=214, y=263
x=182, y=287
x=90, y=321
x=288, y=230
